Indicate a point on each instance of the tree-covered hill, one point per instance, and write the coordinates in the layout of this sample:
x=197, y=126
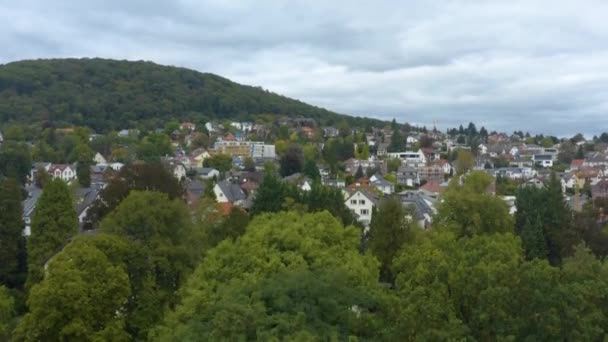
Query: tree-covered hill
x=108, y=94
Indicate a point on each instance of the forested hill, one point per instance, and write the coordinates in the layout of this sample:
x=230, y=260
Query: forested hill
x=109, y=94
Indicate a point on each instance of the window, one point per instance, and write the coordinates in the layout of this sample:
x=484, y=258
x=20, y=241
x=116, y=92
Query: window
x=362, y=202
x=353, y=202
x=364, y=212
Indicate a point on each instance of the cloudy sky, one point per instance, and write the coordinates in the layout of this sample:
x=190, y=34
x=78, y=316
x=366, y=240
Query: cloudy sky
x=533, y=65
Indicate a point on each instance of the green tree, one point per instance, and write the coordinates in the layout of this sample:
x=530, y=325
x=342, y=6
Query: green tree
x=270, y=196
x=15, y=160
x=164, y=247
x=468, y=209
x=137, y=176
x=230, y=227
x=393, y=164
x=249, y=164
x=12, y=242
x=464, y=162
x=301, y=280
x=311, y=170
x=154, y=146
x=82, y=297
x=7, y=313
x=292, y=161
x=389, y=231
x=455, y=289
x=221, y=162
x=359, y=174
x=54, y=222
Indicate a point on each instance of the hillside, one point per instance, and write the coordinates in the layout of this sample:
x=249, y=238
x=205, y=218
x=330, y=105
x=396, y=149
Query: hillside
x=109, y=94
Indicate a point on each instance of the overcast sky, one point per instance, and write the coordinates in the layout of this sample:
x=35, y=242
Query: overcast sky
x=540, y=66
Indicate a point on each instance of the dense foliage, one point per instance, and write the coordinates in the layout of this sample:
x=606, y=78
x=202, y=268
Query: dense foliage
x=53, y=223
x=109, y=95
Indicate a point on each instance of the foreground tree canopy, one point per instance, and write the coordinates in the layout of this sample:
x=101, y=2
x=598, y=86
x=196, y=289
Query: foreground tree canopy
x=302, y=278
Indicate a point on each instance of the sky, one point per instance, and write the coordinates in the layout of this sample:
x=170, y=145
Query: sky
x=533, y=65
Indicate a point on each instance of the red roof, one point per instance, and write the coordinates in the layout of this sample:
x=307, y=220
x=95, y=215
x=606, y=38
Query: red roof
x=432, y=186
x=577, y=162
x=230, y=137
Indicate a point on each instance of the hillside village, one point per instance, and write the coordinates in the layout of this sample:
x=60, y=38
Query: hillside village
x=366, y=164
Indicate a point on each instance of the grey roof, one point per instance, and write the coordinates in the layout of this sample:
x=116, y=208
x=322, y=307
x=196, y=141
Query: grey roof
x=205, y=171
x=233, y=192
x=195, y=187
x=419, y=204
x=84, y=198
x=543, y=157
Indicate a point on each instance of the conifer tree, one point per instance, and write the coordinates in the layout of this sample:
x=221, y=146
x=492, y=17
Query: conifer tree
x=53, y=223
x=12, y=242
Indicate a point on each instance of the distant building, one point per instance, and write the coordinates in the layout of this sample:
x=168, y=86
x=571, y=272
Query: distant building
x=99, y=159
x=229, y=192
x=544, y=160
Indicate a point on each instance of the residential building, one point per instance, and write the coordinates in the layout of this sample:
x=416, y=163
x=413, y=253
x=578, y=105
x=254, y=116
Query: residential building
x=409, y=156
x=422, y=209
x=382, y=184
x=207, y=173
x=229, y=192
x=600, y=189
x=187, y=126
x=431, y=172
x=408, y=176
x=64, y=172
x=99, y=159
x=544, y=160
x=361, y=202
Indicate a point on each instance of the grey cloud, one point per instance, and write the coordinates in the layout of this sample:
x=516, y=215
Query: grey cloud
x=534, y=65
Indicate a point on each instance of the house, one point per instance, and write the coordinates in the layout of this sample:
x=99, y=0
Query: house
x=594, y=159
x=411, y=140
x=483, y=149
x=422, y=208
x=408, y=176
x=543, y=160
x=334, y=182
x=175, y=167
x=409, y=156
x=576, y=164
x=64, y=172
x=361, y=202
x=29, y=204
x=382, y=184
x=84, y=199
x=446, y=166
x=210, y=127
x=430, y=172
x=187, y=126
x=264, y=151
x=569, y=181
x=303, y=182
x=600, y=189
x=433, y=188
x=194, y=191
x=307, y=131
x=99, y=159
x=198, y=157
x=229, y=192
x=330, y=132
x=207, y=173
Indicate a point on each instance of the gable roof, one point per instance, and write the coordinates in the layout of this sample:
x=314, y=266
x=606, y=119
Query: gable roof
x=233, y=192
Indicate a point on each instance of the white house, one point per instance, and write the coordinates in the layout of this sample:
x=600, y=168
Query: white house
x=229, y=192
x=411, y=140
x=207, y=173
x=544, y=160
x=99, y=159
x=409, y=156
x=382, y=184
x=64, y=172
x=209, y=127
x=483, y=149
x=361, y=202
